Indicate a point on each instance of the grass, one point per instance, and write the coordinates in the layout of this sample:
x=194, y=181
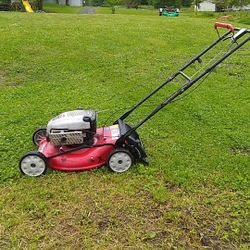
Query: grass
x=194, y=194
x=240, y=16
x=56, y=8
x=126, y=11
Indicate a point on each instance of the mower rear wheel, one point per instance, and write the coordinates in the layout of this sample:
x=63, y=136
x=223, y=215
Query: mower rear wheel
x=33, y=164
x=38, y=135
x=120, y=160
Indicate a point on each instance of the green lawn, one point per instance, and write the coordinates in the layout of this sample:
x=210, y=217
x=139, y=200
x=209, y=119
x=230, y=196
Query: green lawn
x=240, y=16
x=56, y=8
x=195, y=192
x=126, y=11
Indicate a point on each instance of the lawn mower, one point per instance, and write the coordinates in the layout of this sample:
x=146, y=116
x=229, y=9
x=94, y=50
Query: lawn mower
x=71, y=141
x=169, y=11
x=171, y=14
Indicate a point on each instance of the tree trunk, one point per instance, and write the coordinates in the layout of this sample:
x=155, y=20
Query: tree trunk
x=40, y=4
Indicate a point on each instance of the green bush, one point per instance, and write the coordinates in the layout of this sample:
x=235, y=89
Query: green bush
x=172, y=3
x=18, y=6
x=95, y=2
x=5, y=2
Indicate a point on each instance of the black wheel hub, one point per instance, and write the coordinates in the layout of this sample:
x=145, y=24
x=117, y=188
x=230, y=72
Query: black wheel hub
x=33, y=165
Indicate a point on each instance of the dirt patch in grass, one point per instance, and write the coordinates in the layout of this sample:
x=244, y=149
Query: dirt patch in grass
x=104, y=223
x=240, y=150
x=84, y=218
x=2, y=77
x=5, y=80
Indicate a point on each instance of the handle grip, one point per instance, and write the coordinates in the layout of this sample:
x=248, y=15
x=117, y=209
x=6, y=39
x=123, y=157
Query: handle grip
x=224, y=25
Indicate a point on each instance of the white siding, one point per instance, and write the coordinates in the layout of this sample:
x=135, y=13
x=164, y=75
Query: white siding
x=75, y=3
x=63, y=2
x=206, y=6
x=50, y=1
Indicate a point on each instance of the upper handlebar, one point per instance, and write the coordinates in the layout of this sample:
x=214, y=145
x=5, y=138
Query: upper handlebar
x=224, y=25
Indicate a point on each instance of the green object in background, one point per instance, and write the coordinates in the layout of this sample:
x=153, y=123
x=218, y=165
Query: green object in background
x=170, y=13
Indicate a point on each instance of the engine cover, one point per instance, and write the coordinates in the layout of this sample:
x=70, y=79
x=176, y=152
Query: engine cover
x=72, y=127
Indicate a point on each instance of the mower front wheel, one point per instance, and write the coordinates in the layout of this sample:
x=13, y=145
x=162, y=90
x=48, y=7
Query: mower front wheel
x=33, y=164
x=120, y=160
x=38, y=135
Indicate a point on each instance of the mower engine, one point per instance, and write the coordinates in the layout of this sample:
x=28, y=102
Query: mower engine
x=72, y=128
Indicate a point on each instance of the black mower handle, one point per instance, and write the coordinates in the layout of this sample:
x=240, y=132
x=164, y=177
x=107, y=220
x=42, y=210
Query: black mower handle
x=224, y=25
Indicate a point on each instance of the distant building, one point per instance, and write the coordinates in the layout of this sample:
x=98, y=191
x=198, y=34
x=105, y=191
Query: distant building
x=63, y=2
x=206, y=6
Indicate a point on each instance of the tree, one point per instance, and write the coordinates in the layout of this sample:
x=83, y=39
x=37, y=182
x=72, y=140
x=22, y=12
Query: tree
x=40, y=4
x=132, y=3
x=197, y=4
x=225, y=4
x=222, y=4
x=186, y=3
x=239, y=3
x=113, y=3
x=170, y=3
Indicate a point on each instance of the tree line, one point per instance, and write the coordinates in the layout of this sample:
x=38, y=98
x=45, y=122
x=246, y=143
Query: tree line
x=137, y=3
x=221, y=4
